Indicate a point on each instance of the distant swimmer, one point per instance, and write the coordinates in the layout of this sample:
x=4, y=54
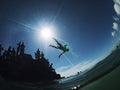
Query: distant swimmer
x=61, y=47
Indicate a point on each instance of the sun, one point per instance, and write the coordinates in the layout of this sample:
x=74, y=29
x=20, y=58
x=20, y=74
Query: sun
x=46, y=33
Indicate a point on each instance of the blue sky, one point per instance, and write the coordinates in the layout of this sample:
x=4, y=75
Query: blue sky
x=90, y=28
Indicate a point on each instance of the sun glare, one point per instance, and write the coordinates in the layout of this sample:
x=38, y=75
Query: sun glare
x=46, y=33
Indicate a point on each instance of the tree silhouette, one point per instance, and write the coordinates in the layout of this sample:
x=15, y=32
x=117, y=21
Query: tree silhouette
x=18, y=66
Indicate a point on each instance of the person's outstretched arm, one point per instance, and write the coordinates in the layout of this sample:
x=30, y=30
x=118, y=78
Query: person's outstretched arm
x=53, y=46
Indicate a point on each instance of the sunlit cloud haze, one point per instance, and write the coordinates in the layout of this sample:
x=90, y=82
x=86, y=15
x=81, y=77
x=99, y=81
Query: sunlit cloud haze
x=115, y=26
x=116, y=18
x=113, y=33
x=117, y=6
x=72, y=70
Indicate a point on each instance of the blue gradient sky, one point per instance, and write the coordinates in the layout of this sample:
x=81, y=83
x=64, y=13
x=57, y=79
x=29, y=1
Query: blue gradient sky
x=85, y=26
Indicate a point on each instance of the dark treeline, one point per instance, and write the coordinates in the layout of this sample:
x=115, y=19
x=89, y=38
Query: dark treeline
x=18, y=66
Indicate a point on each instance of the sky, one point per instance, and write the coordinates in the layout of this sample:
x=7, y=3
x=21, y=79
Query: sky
x=90, y=28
